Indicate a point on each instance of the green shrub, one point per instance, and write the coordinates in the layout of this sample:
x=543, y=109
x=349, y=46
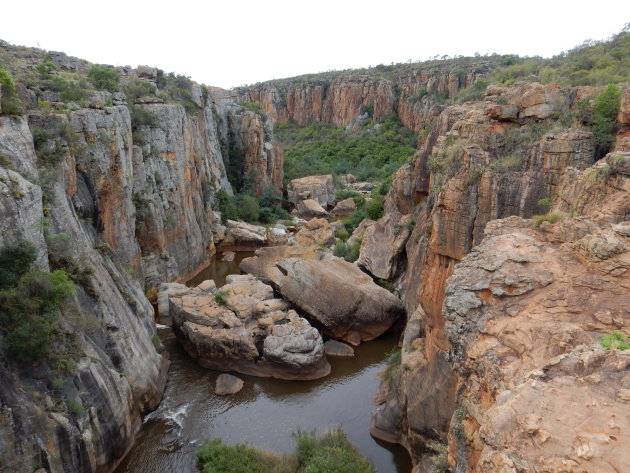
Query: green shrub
x=248, y=208
x=29, y=302
x=372, y=152
x=342, y=234
x=615, y=341
x=385, y=284
x=15, y=261
x=550, y=217
x=137, y=88
x=69, y=91
x=605, y=112
x=9, y=102
x=219, y=297
x=374, y=207
x=330, y=453
x=349, y=252
x=104, y=78
x=215, y=457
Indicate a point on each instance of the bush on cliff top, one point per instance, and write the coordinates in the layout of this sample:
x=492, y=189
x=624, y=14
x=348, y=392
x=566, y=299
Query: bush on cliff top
x=330, y=453
x=104, y=78
x=9, y=102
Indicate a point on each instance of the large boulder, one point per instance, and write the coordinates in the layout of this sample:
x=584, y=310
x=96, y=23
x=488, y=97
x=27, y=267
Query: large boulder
x=344, y=208
x=317, y=231
x=339, y=296
x=318, y=188
x=242, y=236
x=310, y=208
x=242, y=327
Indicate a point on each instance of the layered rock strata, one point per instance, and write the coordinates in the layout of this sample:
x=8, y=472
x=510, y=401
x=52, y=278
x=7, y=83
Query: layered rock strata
x=481, y=162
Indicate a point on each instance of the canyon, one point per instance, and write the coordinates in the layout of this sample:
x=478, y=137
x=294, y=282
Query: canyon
x=504, y=311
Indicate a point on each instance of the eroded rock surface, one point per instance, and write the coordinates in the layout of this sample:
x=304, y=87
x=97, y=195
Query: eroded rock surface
x=336, y=294
x=242, y=327
x=524, y=320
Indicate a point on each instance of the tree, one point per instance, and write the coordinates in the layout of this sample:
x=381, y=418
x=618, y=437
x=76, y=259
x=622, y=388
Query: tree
x=104, y=78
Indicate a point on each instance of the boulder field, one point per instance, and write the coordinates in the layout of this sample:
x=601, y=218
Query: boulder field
x=242, y=327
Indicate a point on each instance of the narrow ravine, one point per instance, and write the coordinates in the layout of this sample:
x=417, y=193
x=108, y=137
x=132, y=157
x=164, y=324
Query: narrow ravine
x=266, y=412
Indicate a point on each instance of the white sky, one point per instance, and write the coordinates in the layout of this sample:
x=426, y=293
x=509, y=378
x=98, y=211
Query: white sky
x=228, y=44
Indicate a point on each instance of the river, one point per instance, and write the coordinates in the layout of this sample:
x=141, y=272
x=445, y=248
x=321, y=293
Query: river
x=266, y=412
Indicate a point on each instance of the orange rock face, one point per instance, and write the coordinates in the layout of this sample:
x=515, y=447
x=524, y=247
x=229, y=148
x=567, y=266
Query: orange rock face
x=479, y=163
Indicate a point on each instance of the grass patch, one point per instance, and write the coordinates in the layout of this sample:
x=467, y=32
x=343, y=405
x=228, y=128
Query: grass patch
x=329, y=453
x=552, y=217
x=615, y=341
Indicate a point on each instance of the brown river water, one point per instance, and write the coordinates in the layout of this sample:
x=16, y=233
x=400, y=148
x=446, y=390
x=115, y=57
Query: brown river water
x=266, y=412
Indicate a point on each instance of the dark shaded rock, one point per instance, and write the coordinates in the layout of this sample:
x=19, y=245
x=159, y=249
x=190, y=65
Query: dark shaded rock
x=338, y=349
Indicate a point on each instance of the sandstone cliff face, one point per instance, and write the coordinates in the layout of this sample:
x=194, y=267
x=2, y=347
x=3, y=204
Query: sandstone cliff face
x=118, y=375
x=479, y=162
x=127, y=203
x=383, y=91
x=525, y=311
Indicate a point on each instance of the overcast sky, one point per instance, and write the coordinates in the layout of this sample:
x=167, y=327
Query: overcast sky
x=233, y=43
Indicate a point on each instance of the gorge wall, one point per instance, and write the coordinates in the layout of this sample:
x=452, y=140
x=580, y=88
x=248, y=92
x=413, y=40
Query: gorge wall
x=116, y=189
x=470, y=347
x=340, y=97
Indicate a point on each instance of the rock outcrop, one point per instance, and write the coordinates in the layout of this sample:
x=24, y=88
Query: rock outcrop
x=116, y=189
x=312, y=195
x=242, y=327
x=414, y=93
x=334, y=293
x=524, y=321
x=482, y=162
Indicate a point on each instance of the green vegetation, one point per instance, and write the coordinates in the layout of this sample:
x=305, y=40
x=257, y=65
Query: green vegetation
x=178, y=88
x=9, y=102
x=104, y=78
x=219, y=297
x=394, y=359
x=596, y=63
x=29, y=302
x=615, y=341
x=476, y=92
x=373, y=153
x=330, y=453
x=552, y=217
x=605, y=112
x=244, y=206
x=349, y=252
x=439, y=457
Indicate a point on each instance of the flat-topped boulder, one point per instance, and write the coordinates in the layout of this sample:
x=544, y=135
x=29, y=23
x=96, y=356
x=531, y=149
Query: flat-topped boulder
x=339, y=296
x=242, y=327
x=243, y=236
x=318, y=188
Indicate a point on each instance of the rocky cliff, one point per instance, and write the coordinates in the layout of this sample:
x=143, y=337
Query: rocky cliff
x=117, y=190
x=341, y=97
x=522, y=151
